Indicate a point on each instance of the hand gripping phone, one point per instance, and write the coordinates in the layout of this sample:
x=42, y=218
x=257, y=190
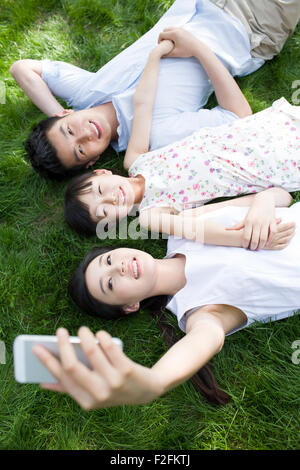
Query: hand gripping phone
x=29, y=369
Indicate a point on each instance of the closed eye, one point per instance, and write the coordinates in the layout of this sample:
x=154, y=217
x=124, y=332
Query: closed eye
x=99, y=190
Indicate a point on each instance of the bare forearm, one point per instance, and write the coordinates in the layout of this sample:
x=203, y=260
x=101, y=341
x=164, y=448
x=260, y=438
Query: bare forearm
x=281, y=199
x=227, y=91
x=209, y=232
x=142, y=111
x=143, y=102
x=214, y=206
x=280, y=196
x=146, y=89
x=228, y=94
x=188, y=355
x=35, y=88
x=197, y=229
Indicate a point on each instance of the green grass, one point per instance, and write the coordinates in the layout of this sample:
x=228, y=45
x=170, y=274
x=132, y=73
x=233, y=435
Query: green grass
x=38, y=252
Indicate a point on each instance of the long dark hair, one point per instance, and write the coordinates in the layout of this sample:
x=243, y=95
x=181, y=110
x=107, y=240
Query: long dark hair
x=203, y=380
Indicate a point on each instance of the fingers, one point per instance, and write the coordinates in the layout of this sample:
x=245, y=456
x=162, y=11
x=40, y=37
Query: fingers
x=106, y=358
x=255, y=238
x=247, y=235
x=113, y=352
x=162, y=37
x=67, y=354
x=285, y=240
x=263, y=237
x=238, y=226
x=170, y=28
x=68, y=357
x=90, y=388
x=48, y=360
x=94, y=353
x=84, y=399
x=274, y=226
x=166, y=33
x=166, y=46
x=286, y=226
x=184, y=42
x=69, y=369
x=52, y=387
x=166, y=41
x=282, y=237
x=280, y=246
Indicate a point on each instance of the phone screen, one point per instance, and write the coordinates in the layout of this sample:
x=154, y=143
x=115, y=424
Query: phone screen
x=29, y=369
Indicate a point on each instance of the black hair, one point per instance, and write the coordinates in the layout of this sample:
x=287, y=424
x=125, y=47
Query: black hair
x=77, y=213
x=203, y=380
x=79, y=292
x=43, y=155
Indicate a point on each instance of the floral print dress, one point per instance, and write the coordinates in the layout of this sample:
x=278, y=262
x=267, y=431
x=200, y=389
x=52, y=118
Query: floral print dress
x=247, y=156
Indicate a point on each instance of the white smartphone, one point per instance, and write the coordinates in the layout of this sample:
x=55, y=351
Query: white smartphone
x=29, y=369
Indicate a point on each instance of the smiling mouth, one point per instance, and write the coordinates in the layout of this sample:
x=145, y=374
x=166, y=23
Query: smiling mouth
x=135, y=268
x=96, y=128
x=122, y=198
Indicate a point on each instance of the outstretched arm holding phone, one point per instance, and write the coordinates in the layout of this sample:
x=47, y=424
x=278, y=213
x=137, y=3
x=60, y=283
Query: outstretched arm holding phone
x=117, y=380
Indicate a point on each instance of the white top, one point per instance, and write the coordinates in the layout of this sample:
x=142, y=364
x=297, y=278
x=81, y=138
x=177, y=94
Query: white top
x=264, y=284
x=245, y=156
x=183, y=86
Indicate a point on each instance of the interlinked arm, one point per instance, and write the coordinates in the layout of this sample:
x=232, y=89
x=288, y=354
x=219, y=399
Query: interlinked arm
x=259, y=229
x=116, y=380
x=227, y=91
x=192, y=228
x=143, y=102
x=259, y=226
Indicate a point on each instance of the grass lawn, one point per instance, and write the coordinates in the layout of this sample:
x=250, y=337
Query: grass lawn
x=38, y=252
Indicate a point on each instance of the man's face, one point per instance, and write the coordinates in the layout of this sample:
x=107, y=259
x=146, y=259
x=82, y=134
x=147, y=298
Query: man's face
x=80, y=137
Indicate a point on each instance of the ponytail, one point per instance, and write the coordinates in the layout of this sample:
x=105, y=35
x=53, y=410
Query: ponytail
x=204, y=380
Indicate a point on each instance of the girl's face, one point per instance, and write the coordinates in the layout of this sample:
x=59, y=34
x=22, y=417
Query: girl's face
x=110, y=197
x=121, y=277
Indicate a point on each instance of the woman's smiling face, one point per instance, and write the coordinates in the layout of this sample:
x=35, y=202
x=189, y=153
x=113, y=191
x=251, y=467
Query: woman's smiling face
x=109, y=198
x=121, y=277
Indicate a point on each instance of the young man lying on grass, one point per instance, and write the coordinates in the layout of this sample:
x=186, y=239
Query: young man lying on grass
x=102, y=102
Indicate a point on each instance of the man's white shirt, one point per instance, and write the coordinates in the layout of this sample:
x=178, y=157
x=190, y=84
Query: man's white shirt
x=183, y=86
